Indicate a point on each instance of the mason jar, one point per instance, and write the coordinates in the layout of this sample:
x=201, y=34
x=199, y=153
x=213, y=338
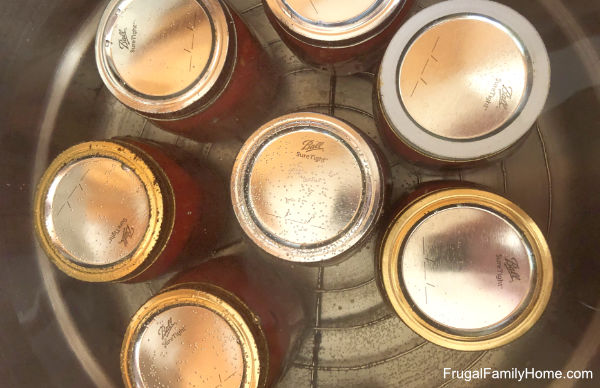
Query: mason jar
x=461, y=82
x=192, y=67
x=124, y=210
x=223, y=323
x=464, y=268
x=344, y=37
x=308, y=188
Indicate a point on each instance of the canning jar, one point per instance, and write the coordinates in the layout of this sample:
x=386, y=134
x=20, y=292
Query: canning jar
x=220, y=324
x=124, y=209
x=465, y=268
x=308, y=187
x=192, y=67
x=461, y=82
x=344, y=37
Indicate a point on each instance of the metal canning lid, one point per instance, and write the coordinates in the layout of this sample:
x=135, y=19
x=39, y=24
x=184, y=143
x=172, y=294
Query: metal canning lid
x=307, y=187
x=466, y=269
x=102, y=211
x=464, y=80
x=194, y=335
x=334, y=20
x=160, y=57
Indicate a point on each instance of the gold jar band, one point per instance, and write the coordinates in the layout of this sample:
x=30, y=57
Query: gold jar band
x=391, y=251
x=161, y=206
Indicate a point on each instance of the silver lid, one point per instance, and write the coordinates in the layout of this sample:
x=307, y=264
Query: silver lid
x=463, y=80
x=334, y=20
x=183, y=346
x=97, y=211
x=194, y=335
x=454, y=66
x=162, y=56
x=306, y=187
x=467, y=269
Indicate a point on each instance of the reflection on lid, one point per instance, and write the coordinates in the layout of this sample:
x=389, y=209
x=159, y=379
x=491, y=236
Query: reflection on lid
x=467, y=268
x=464, y=77
x=305, y=187
x=97, y=211
x=161, y=49
x=331, y=12
x=188, y=346
x=334, y=20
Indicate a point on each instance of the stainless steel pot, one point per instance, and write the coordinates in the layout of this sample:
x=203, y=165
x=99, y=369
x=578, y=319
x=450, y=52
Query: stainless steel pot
x=59, y=332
